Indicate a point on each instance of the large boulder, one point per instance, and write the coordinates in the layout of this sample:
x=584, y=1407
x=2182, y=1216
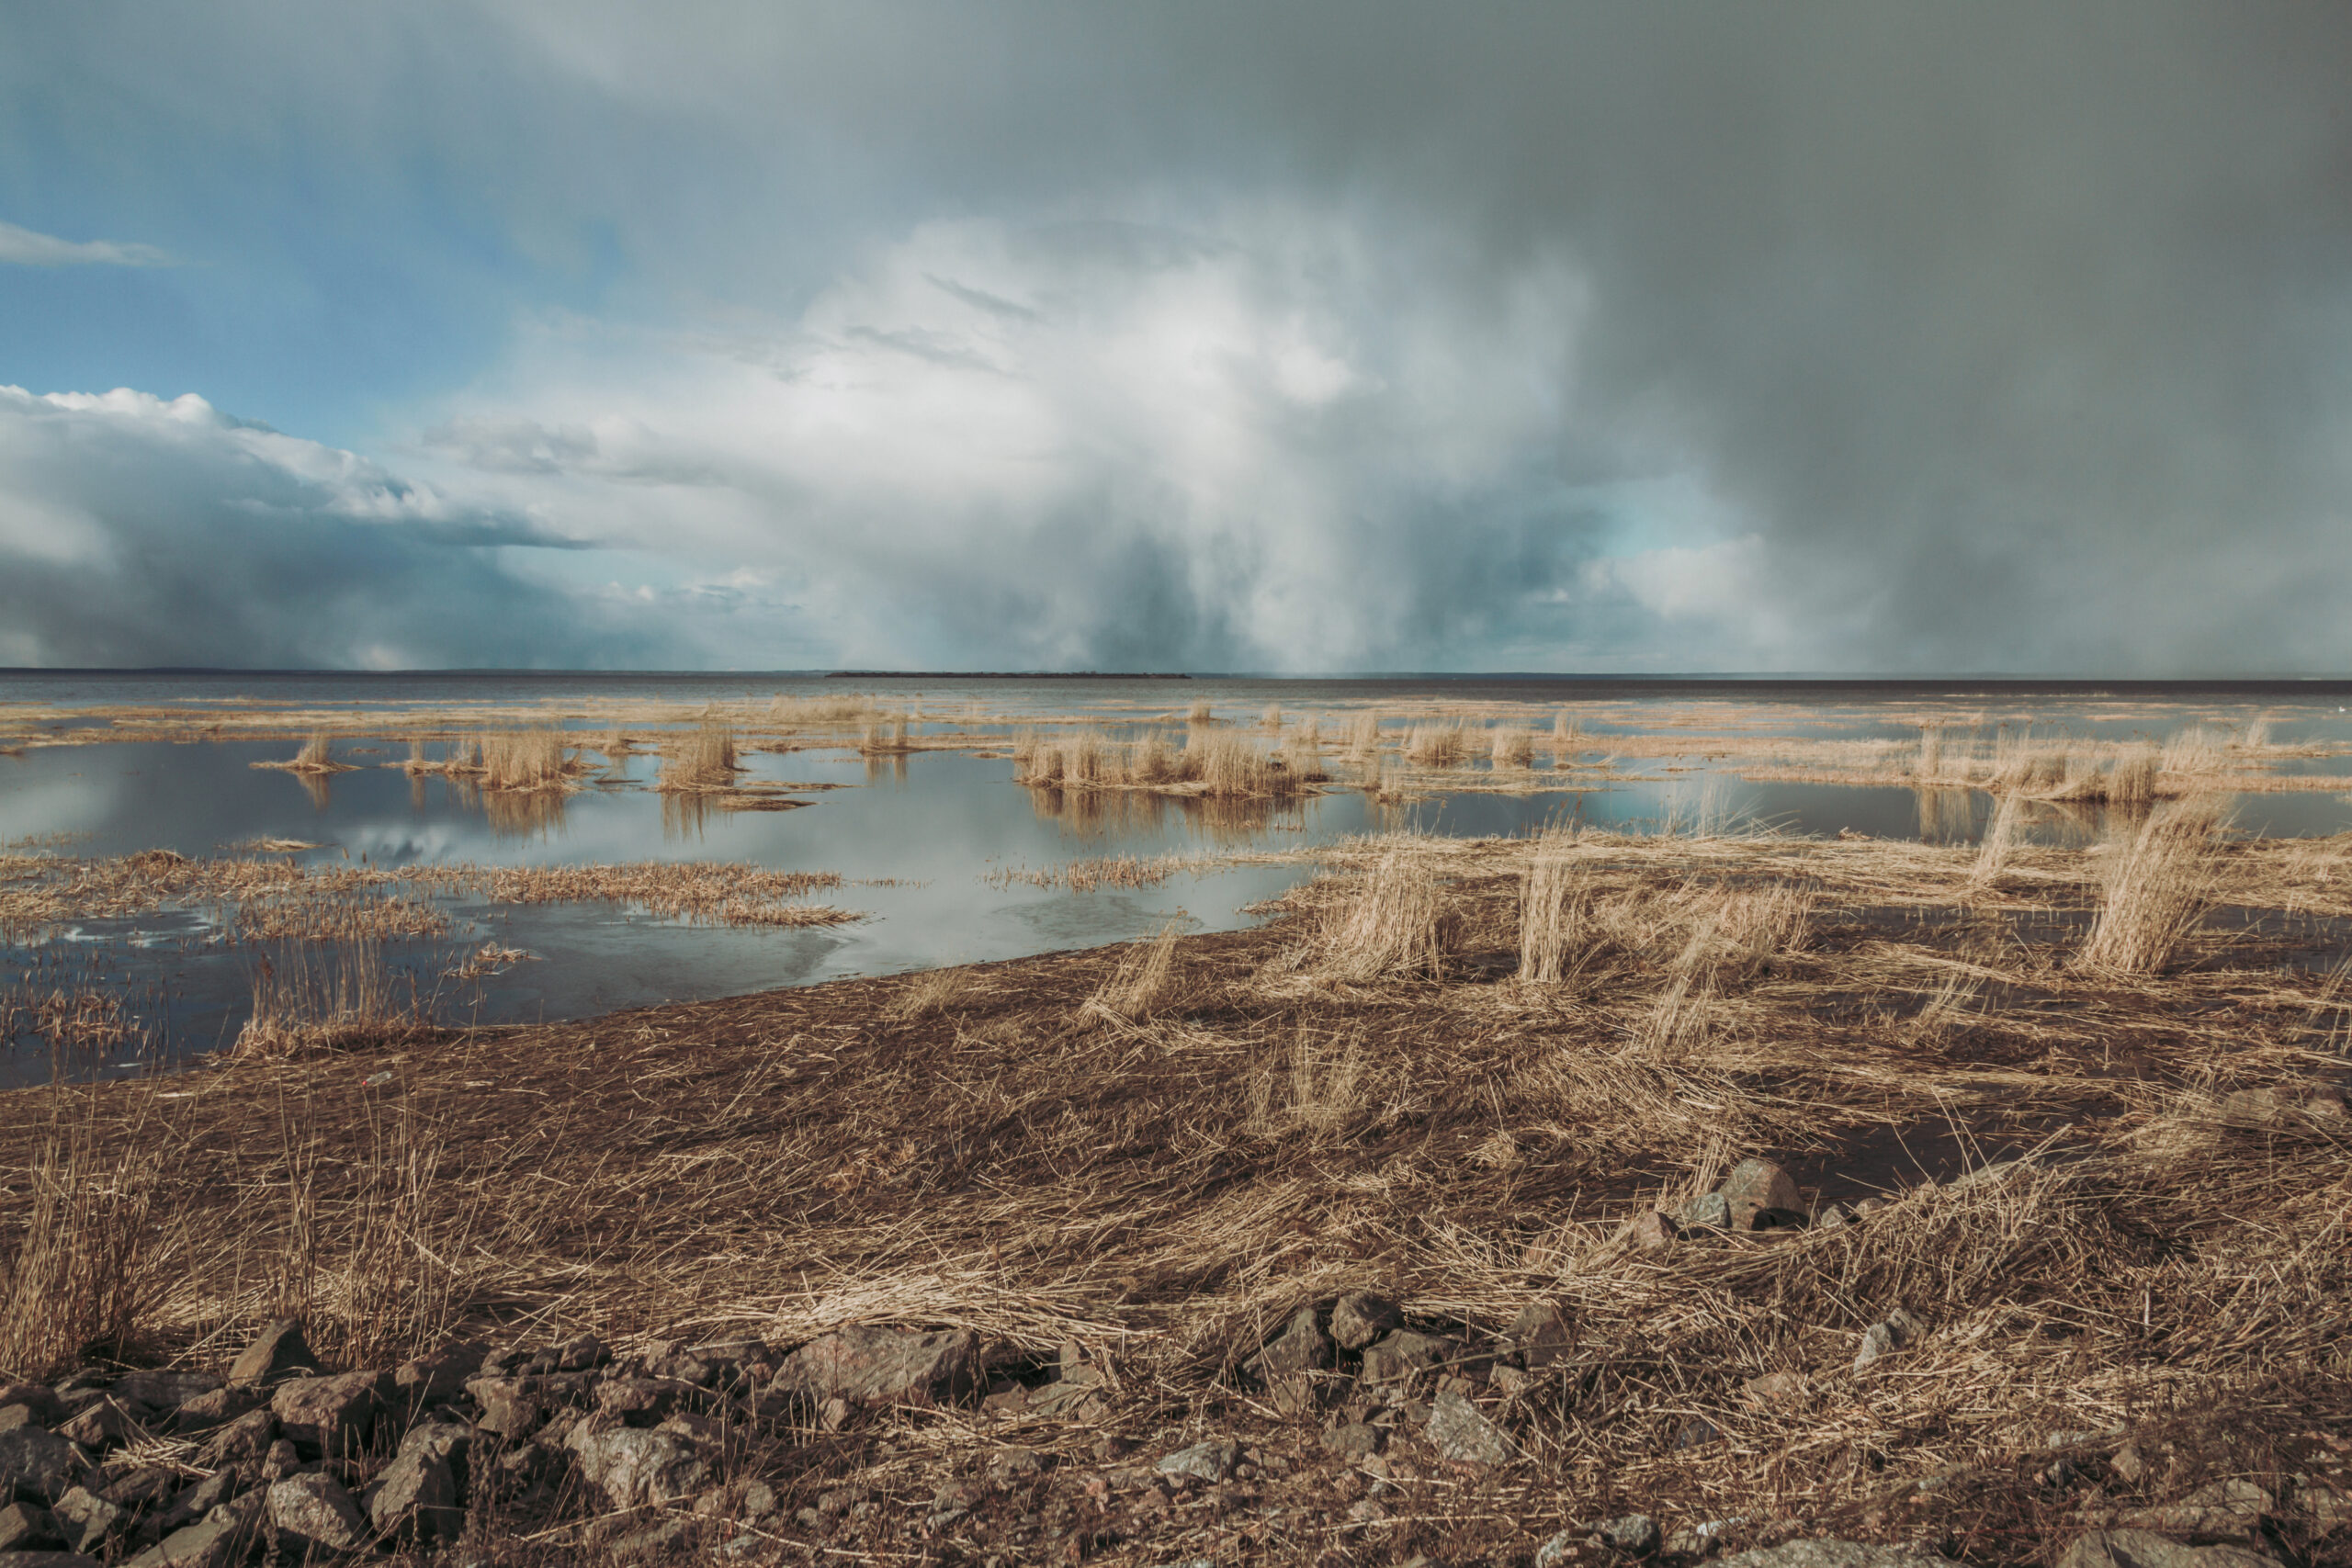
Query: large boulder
x=1301, y=1346
x=1404, y=1355
x=35, y=1465
x=636, y=1468
x=314, y=1513
x=875, y=1365
x=438, y=1376
x=205, y=1412
x=278, y=1353
x=85, y=1521
x=333, y=1416
x=243, y=1441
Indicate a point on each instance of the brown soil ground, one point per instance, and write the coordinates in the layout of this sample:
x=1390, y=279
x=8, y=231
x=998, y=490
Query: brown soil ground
x=1161, y=1168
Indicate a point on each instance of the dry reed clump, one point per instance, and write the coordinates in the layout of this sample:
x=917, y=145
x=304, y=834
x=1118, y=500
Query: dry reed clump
x=1398, y=925
x=932, y=992
x=1550, y=912
x=883, y=738
x=703, y=758
x=1512, y=746
x=80, y=1270
x=1200, y=713
x=1271, y=719
x=348, y=999
x=1144, y=981
x=1436, y=745
x=1364, y=738
x=2156, y=881
x=525, y=760
x=316, y=756
x=848, y=708
x=1215, y=762
x=1567, y=739
x=700, y=892
x=344, y=918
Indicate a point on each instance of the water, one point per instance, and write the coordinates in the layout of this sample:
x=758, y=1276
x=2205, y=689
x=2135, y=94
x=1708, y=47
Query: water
x=919, y=837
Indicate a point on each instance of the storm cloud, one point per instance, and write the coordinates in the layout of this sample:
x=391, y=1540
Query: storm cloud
x=1860, y=337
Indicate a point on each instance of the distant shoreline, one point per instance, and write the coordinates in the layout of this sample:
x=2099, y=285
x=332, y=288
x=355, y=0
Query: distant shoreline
x=996, y=675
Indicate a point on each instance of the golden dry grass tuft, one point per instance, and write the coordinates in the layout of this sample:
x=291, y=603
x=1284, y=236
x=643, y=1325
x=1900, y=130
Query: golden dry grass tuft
x=2157, y=878
x=1396, y=925
x=701, y=758
x=1550, y=912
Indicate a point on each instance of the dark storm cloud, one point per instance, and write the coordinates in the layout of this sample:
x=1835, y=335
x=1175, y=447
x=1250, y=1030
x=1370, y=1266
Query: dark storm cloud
x=136, y=532
x=1984, y=336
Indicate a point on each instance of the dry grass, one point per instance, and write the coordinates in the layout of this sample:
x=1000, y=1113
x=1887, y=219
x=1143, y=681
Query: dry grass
x=316, y=757
x=530, y=760
x=702, y=758
x=1436, y=745
x=1144, y=981
x=309, y=1000
x=2157, y=879
x=1550, y=913
x=1512, y=746
x=1167, y=1191
x=1396, y=925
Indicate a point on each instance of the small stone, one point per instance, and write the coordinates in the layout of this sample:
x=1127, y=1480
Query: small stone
x=36, y=1464
x=1696, y=1433
x=316, y=1511
x=1300, y=1347
x=1352, y=1439
x=1709, y=1211
x=508, y=1408
x=1636, y=1535
x=1110, y=1446
x=1212, y=1460
x=221, y=1540
x=1899, y=1329
x=580, y=1353
x=1462, y=1434
x=760, y=1500
x=2145, y=1548
x=40, y=1402
x=281, y=1461
x=143, y=1490
x=875, y=1365
x=1652, y=1230
x=103, y=1423
x=635, y=1468
x=22, y=1525
x=243, y=1441
x=1833, y=1217
x=1829, y=1553
x=438, y=1376
x=1360, y=1317
x=1540, y=1336
x=2234, y=1507
x=278, y=1353
x=208, y=1412
x=1778, y=1391
x=1754, y=1186
x=85, y=1521
x=1404, y=1355
x=165, y=1390
x=415, y=1498
x=331, y=1416
x=642, y=1401
x=191, y=1505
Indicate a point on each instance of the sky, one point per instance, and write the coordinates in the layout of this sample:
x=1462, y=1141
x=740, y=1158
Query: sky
x=1312, y=337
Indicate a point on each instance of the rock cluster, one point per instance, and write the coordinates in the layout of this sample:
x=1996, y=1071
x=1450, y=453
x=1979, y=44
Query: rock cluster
x=307, y=1464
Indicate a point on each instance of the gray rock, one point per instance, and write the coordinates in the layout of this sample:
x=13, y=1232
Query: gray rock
x=1754, y=1186
x=875, y=1365
x=642, y=1401
x=1540, y=1335
x=23, y=1527
x=416, y=1498
x=41, y=1406
x=1405, y=1354
x=1652, y=1230
x=143, y=1490
x=205, y=1411
x=1709, y=1211
x=1352, y=1439
x=35, y=1465
x=1300, y=1347
x=1833, y=1217
x=316, y=1512
x=2145, y=1548
x=580, y=1353
x=86, y=1521
x=191, y=1505
x=2234, y=1506
x=103, y=1423
x=438, y=1376
x=220, y=1541
x=46, y=1560
x=278, y=1353
x=1636, y=1535
x=243, y=1441
x=1459, y=1433
x=1360, y=1317
x=165, y=1390
x=1837, y=1554
x=1898, y=1330
x=635, y=1468
x=332, y=1416
x=510, y=1407
x=1211, y=1460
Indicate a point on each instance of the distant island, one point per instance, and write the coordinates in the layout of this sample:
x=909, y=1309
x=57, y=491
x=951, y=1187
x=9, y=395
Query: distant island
x=996, y=675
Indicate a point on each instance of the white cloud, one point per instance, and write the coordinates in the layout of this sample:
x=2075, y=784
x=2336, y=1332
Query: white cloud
x=26, y=247
x=1248, y=438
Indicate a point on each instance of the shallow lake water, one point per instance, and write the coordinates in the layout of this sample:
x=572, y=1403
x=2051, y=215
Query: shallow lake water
x=923, y=841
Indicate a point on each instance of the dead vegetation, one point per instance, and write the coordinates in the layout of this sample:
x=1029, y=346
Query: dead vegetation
x=1452, y=1073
